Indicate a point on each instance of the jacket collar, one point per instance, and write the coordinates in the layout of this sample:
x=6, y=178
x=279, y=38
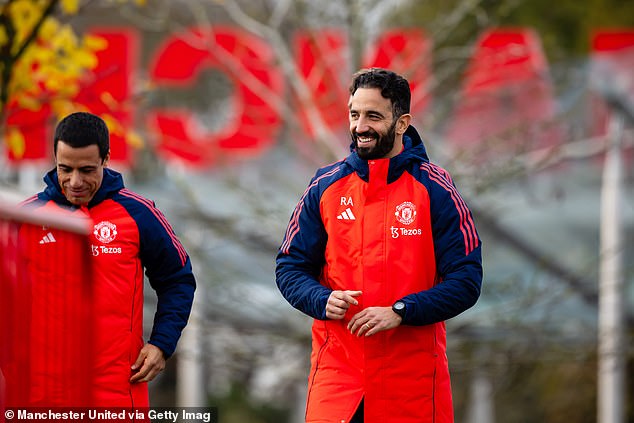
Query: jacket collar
x=413, y=150
x=112, y=182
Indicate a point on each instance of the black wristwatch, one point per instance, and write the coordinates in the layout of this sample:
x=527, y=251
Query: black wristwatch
x=399, y=308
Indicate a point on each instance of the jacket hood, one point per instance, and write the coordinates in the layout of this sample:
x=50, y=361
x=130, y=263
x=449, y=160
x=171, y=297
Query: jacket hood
x=413, y=150
x=112, y=182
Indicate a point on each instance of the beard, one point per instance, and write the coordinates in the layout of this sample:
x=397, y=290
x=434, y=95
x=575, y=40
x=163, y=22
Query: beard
x=382, y=146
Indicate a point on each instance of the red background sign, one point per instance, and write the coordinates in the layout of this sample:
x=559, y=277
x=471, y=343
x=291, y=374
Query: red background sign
x=506, y=86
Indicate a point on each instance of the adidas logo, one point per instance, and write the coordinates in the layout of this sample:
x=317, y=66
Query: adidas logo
x=347, y=215
x=48, y=238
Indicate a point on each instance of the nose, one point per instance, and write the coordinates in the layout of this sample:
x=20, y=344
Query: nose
x=75, y=179
x=361, y=125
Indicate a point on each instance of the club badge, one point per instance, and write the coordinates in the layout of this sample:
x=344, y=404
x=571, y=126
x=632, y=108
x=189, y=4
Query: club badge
x=105, y=231
x=405, y=213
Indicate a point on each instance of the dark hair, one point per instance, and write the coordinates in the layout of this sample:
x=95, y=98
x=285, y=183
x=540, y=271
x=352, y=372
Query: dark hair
x=392, y=85
x=82, y=129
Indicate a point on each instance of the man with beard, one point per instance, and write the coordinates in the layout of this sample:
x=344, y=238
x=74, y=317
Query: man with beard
x=380, y=250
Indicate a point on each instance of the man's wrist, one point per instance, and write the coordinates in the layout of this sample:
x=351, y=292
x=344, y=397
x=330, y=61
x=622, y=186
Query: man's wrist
x=400, y=308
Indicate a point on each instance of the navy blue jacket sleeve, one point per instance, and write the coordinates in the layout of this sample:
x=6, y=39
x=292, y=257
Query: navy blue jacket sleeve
x=169, y=271
x=458, y=255
x=301, y=256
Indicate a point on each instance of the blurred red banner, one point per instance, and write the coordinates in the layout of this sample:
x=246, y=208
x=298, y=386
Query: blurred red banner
x=506, y=95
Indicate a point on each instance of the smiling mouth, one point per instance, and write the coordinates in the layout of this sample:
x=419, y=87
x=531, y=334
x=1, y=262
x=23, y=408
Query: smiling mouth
x=76, y=194
x=365, y=139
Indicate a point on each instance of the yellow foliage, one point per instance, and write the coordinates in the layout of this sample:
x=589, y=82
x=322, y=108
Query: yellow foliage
x=54, y=65
x=24, y=15
x=4, y=39
x=94, y=43
x=29, y=103
x=16, y=143
x=107, y=99
x=62, y=107
x=134, y=140
x=49, y=29
x=65, y=39
x=70, y=7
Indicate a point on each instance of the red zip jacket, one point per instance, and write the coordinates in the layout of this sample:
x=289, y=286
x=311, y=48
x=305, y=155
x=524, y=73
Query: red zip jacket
x=129, y=235
x=396, y=229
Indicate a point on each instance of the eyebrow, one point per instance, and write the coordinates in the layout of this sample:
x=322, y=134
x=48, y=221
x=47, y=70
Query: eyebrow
x=370, y=112
x=87, y=167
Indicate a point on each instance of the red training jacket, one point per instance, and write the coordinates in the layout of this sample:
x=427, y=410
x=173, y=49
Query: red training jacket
x=129, y=235
x=395, y=229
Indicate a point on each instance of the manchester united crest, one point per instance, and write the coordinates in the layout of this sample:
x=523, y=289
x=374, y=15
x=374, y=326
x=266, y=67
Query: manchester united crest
x=105, y=231
x=406, y=213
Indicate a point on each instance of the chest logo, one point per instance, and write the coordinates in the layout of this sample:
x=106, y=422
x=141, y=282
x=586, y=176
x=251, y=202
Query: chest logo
x=405, y=213
x=105, y=231
x=48, y=238
x=346, y=215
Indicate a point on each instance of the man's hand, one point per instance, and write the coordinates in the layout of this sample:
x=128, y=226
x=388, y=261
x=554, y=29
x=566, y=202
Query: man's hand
x=150, y=363
x=373, y=320
x=339, y=302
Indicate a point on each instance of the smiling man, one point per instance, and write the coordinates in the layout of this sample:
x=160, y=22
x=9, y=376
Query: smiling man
x=373, y=124
x=80, y=171
x=380, y=250
x=130, y=235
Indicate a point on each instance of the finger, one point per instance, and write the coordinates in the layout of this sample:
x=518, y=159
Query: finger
x=339, y=303
x=358, y=319
x=349, y=297
x=151, y=375
x=353, y=322
x=138, y=376
x=154, y=369
x=140, y=359
x=360, y=326
x=150, y=362
x=364, y=328
x=146, y=374
x=344, y=298
x=151, y=367
x=356, y=326
x=334, y=309
x=374, y=329
x=335, y=313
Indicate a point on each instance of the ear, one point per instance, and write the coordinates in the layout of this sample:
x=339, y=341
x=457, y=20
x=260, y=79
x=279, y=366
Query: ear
x=403, y=123
x=106, y=159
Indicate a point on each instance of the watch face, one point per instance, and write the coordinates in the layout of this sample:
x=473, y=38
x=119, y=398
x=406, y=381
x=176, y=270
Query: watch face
x=399, y=308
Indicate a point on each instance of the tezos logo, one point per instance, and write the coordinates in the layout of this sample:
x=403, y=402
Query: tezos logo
x=105, y=231
x=405, y=213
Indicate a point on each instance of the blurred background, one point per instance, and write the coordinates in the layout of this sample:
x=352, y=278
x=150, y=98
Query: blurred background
x=221, y=111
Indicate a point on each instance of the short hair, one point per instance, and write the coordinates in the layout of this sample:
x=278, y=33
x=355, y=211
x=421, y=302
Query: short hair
x=392, y=85
x=82, y=129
